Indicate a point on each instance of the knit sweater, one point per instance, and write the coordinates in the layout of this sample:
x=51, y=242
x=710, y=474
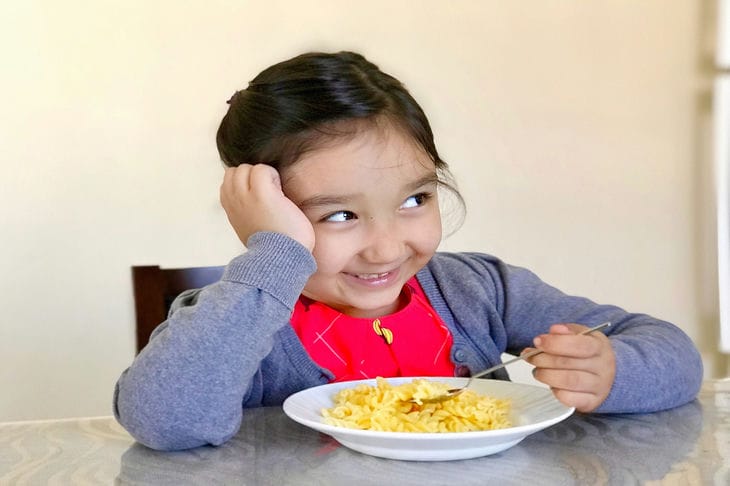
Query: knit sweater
x=229, y=346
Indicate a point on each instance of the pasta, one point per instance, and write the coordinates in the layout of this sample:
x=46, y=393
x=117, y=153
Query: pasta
x=385, y=407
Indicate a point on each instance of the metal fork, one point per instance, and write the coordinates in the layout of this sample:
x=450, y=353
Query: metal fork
x=455, y=391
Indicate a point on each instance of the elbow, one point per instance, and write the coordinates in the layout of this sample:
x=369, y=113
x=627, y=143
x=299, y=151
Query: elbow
x=164, y=434
x=169, y=429
x=162, y=438
x=696, y=375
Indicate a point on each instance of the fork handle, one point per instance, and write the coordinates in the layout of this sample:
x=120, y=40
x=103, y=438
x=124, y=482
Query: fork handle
x=533, y=353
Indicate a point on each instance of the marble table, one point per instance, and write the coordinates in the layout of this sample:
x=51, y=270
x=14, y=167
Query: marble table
x=685, y=446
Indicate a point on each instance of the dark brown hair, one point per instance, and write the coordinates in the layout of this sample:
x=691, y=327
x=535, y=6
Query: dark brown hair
x=296, y=105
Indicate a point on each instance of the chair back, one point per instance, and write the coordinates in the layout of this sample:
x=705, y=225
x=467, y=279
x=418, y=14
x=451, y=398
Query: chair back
x=155, y=288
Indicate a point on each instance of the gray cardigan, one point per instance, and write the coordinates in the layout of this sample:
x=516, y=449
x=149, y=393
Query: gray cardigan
x=229, y=346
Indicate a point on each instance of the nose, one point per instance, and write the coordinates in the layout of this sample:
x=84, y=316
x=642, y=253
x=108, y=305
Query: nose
x=383, y=243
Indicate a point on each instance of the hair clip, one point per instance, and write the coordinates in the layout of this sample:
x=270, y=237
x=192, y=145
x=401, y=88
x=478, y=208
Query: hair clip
x=232, y=97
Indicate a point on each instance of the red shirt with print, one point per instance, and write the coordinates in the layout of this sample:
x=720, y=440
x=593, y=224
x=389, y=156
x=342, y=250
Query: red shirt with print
x=413, y=341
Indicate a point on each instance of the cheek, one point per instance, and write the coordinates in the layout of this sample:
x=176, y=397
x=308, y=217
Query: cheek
x=429, y=234
x=331, y=254
x=428, y=245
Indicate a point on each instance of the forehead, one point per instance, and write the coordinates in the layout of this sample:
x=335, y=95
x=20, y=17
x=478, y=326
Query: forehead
x=372, y=155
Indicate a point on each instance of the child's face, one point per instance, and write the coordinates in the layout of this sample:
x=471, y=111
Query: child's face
x=373, y=203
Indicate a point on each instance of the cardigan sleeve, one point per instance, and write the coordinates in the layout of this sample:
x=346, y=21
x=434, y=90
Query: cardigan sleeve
x=657, y=365
x=187, y=386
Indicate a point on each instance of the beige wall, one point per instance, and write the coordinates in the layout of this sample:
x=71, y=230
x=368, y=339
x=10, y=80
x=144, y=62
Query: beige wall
x=575, y=129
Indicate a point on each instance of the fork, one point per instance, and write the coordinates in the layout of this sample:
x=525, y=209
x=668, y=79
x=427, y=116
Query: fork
x=455, y=391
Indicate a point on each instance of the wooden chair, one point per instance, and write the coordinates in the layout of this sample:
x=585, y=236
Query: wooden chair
x=155, y=288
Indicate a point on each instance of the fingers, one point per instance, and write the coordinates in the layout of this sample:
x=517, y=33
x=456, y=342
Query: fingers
x=243, y=199
x=566, y=340
x=248, y=179
x=573, y=380
x=253, y=200
x=583, y=402
x=235, y=181
x=581, y=389
x=579, y=369
x=561, y=362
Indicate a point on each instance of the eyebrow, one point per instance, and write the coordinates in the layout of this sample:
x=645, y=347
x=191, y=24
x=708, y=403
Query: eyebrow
x=324, y=200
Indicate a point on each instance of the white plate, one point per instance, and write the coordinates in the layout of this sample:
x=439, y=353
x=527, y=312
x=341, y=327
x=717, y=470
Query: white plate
x=533, y=408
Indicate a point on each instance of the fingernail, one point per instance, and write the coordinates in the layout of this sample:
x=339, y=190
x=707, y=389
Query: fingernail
x=537, y=341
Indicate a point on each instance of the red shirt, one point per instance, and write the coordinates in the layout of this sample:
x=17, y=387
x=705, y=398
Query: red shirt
x=413, y=341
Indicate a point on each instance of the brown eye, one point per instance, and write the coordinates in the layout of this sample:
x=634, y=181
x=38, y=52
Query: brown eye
x=416, y=200
x=340, y=216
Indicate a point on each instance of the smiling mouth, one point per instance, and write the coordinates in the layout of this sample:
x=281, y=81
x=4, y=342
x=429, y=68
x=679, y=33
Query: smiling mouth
x=370, y=276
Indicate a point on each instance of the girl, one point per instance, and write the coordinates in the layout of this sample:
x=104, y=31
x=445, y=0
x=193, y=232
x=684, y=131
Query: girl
x=333, y=185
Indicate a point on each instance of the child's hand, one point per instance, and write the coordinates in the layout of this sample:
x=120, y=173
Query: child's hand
x=253, y=200
x=579, y=369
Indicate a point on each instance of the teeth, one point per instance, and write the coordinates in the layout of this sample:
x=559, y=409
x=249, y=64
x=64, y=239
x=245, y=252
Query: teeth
x=370, y=276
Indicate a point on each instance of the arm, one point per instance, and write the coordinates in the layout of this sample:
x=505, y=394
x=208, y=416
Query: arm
x=644, y=365
x=499, y=307
x=188, y=385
